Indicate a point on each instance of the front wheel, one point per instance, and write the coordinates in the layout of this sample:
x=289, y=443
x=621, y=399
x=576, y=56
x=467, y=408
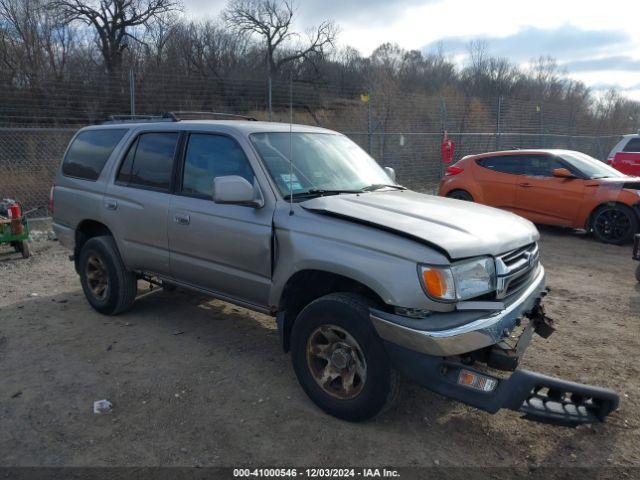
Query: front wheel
x=638, y=273
x=339, y=360
x=616, y=224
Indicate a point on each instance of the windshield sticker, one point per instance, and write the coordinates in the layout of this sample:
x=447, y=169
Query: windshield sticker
x=295, y=183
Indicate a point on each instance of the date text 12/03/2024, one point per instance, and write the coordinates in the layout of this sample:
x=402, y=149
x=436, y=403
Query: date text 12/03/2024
x=316, y=473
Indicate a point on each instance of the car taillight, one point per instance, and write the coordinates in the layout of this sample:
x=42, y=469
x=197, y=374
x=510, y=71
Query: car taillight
x=453, y=170
x=51, y=200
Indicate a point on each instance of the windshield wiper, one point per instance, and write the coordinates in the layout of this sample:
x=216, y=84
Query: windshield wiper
x=378, y=186
x=319, y=192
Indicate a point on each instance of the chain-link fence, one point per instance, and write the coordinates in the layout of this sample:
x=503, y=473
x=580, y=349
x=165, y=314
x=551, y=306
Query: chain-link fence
x=29, y=158
x=402, y=130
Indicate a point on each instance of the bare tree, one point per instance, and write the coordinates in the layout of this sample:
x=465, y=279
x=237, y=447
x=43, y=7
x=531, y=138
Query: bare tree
x=34, y=45
x=114, y=21
x=272, y=21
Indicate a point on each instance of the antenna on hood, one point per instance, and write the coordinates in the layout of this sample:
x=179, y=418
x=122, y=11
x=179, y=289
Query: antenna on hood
x=291, y=142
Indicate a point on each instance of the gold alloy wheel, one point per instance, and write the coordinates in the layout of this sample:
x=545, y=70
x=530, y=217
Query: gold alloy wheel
x=336, y=362
x=97, y=277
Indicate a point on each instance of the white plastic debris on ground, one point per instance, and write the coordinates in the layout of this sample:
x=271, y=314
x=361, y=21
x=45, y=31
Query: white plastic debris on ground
x=101, y=407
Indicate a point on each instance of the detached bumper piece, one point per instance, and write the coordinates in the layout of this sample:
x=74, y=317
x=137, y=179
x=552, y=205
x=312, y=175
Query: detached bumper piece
x=551, y=400
x=539, y=397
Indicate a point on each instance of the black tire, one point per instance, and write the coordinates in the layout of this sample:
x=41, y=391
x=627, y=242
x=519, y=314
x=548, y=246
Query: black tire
x=615, y=224
x=348, y=313
x=25, y=249
x=121, y=285
x=460, y=195
x=638, y=273
x=169, y=287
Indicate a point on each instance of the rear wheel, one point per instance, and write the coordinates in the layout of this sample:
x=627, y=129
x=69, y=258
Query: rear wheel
x=339, y=360
x=638, y=273
x=614, y=224
x=460, y=195
x=108, y=286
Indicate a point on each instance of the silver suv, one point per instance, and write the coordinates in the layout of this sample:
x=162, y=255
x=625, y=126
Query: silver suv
x=365, y=278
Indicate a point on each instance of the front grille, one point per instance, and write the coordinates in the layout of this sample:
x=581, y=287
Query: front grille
x=514, y=269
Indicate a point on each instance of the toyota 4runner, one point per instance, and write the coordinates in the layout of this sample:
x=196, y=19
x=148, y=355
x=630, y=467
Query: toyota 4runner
x=366, y=279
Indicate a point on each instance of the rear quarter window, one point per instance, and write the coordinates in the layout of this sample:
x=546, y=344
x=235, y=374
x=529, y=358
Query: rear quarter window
x=89, y=151
x=504, y=164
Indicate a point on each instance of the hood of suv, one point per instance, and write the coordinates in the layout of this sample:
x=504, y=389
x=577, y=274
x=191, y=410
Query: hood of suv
x=461, y=229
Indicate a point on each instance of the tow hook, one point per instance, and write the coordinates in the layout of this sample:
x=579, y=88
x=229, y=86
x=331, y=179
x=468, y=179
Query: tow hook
x=542, y=324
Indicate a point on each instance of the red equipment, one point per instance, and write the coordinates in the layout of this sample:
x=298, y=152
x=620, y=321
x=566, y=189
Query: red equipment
x=14, y=211
x=448, y=149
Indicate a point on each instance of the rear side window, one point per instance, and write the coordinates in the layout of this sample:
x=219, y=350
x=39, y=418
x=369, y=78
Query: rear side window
x=210, y=156
x=149, y=161
x=633, y=145
x=503, y=164
x=89, y=152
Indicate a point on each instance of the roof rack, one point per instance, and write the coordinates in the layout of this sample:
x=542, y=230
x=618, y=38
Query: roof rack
x=140, y=118
x=182, y=113
x=171, y=117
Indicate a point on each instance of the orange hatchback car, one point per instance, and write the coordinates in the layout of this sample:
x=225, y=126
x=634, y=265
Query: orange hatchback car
x=553, y=187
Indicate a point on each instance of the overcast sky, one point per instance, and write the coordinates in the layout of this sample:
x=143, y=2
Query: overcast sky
x=597, y=42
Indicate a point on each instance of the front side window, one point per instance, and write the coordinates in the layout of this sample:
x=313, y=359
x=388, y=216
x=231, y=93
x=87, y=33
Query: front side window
x=89, y=152
x=149, y=161
x=209, y=156
x=319, y=162
x=541, y=165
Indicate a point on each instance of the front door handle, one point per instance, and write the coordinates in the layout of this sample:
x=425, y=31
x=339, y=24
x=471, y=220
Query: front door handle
x=182, y=219
x=110, y=204
x=525, y=185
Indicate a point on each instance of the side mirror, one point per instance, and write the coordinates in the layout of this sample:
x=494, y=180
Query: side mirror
x=391, y=173
x=563, y=173
x=235, y=190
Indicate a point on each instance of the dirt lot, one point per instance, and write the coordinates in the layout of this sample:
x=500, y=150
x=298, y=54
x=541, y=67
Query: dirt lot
x=200, y=382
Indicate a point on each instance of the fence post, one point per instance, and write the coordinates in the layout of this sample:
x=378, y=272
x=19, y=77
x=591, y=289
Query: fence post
x=541, y=126
x=369, y=124
x=269, y=98
x=443, y=127
x=498, y=126
x=132, y=91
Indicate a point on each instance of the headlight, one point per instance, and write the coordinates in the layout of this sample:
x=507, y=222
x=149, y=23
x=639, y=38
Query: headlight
x=460, y=281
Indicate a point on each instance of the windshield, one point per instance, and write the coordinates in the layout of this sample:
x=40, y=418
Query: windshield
x=321, y=163
x=589, y=166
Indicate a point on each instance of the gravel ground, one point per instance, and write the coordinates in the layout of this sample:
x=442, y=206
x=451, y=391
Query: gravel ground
x=200, y=382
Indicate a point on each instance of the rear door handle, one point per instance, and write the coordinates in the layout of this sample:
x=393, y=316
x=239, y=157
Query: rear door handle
x=110, y=204
x=181, y=219
x=525, y=185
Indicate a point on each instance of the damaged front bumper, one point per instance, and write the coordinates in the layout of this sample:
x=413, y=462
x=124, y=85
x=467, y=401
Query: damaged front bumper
x=432, y=359
x=539, y=397
x=479, y=331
